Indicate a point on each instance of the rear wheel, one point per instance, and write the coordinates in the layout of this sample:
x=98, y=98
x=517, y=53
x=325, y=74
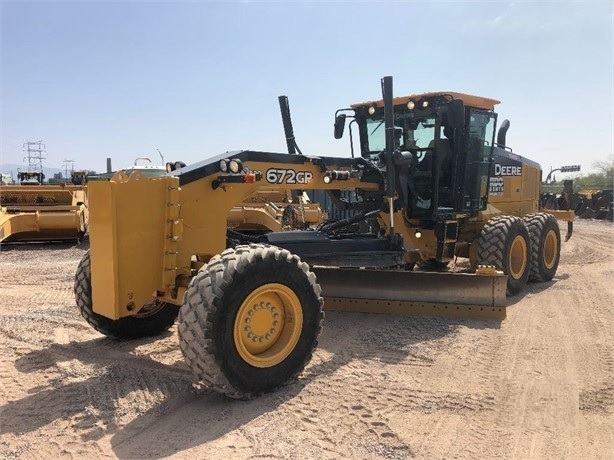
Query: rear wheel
x=250, y=320
x=504, y=242
x=546, y=245
x=151, y=320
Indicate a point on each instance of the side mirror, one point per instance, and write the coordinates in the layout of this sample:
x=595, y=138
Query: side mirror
x=339, y=125
x=456, y=114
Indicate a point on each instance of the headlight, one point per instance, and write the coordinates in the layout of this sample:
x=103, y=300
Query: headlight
x=224, y=165
x=411, y=105
x=235, y=166
x=371, y=110
x=336, y=175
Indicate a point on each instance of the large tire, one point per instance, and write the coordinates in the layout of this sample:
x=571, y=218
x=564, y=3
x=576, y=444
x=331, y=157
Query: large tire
x=250, y=320
x=545, y=245
x=151, y=320
x=504, y=242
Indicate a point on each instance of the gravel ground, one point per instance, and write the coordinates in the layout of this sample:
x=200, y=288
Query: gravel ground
x=540, y=384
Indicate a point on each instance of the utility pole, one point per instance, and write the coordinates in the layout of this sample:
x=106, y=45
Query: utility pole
x=72, y=167
x=35, y=150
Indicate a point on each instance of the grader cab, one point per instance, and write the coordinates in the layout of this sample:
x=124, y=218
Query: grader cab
x=462, y=193
x=251, y=303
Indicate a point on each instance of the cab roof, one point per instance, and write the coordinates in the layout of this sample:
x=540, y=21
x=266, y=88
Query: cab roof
x=469, y=100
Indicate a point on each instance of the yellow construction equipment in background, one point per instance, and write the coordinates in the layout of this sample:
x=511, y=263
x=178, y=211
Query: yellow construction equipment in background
x=34, y=212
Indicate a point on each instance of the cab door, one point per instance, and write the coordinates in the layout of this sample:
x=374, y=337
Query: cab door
x=477, y=149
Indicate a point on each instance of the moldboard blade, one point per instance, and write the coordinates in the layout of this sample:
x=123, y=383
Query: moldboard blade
x=420, y=293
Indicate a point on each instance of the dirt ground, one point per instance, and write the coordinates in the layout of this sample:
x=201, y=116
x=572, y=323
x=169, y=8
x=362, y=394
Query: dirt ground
x=538, y=385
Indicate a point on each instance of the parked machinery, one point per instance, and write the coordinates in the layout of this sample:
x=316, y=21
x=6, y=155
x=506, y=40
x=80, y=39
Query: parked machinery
x=35, y=212
x=251, y=303
x=586, y=204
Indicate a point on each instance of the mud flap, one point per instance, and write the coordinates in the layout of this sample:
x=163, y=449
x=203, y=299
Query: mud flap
x=415, y=293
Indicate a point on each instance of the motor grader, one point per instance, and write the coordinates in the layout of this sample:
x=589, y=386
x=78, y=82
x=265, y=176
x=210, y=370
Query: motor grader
x=250, y=305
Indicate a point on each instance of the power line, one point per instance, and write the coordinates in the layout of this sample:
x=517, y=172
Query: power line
x=72, y=167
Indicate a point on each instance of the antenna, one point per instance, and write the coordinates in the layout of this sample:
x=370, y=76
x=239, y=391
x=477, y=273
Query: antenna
x=161, y=156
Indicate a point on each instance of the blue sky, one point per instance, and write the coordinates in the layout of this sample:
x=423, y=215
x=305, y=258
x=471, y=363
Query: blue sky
x=194, y=79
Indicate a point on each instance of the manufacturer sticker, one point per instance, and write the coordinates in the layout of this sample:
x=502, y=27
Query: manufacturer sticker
x=501, y=170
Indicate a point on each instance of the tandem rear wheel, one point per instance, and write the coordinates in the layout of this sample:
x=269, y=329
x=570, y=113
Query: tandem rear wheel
x=505, y=243
x=250, y=320
x=545, y=244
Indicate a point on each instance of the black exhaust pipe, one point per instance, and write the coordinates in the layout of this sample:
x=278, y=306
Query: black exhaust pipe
x=389, y=125
x=284, y=106
x=502, y=133
x=389, y=151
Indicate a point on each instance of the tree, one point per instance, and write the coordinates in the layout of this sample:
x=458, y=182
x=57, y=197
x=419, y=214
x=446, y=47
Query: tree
x=602, y=179
x=606, y=168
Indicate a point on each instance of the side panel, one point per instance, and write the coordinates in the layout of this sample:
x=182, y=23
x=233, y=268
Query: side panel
x=514, y=183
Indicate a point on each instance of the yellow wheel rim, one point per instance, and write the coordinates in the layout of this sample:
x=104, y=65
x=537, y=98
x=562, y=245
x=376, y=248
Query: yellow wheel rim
x=551, y=246
x=268, y=325
x=518, y=257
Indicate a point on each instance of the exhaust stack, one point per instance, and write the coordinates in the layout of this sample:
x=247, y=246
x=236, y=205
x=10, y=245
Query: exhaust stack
x=502, y=133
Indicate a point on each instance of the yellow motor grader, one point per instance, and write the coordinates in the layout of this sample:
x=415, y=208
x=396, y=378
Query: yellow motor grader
x=430, y=184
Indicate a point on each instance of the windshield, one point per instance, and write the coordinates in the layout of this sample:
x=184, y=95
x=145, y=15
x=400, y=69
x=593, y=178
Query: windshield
x=376, y=134
x=422, y=136
x=147, y=171
x=408, y=134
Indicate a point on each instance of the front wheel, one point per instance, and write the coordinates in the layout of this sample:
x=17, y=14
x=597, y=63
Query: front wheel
x=546, y=245
x=250, y=320
x=153, y=319
x=504, y=243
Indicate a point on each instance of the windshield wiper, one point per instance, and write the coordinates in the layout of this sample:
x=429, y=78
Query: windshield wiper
x=377, y=127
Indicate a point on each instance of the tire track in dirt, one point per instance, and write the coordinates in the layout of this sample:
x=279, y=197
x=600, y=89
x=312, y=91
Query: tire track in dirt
x=592, y=242
x=461, y=395
x=91, y=394
x=599, y=397
x=36, y=327
x=81, y=380
x=601, y=320
x=554, y=341
x=385, y=372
